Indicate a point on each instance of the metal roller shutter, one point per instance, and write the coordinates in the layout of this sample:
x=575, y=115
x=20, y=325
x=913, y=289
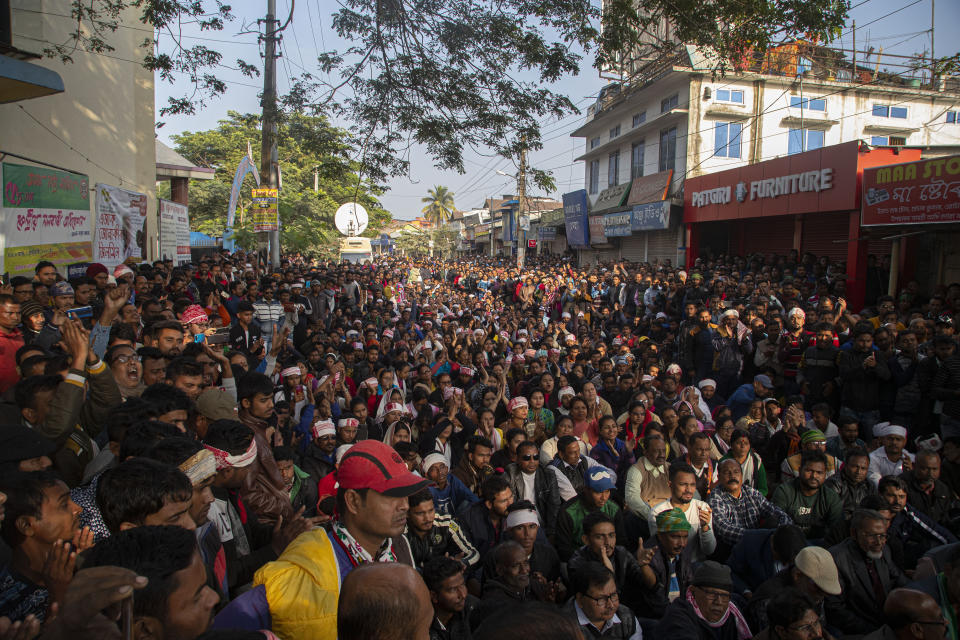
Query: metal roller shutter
x=768, y=235
x=662, y=246
x=610, y=255
x=634, y=248
x=819, y=232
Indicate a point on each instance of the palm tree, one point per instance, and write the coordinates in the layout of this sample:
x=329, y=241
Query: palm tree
x=439, y=207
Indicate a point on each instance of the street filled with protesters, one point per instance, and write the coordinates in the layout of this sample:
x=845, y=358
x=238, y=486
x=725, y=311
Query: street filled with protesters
x=417, y=448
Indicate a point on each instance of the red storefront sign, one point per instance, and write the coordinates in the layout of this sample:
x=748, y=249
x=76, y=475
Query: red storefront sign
x=531, y=244
x=820, y=180
x=924, y=192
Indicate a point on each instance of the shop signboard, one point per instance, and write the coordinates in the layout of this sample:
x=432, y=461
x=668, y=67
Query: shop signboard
x=46, y=216
x=575, y=218
x=597, y=233
x=924, y=192
x=652, y=216
x=547, y=233
x=617, y=225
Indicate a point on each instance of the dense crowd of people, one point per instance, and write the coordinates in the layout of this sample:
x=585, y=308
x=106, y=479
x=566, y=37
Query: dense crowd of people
x=419, y=448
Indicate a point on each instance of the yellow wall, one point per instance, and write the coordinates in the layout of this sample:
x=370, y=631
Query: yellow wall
x=106, y=112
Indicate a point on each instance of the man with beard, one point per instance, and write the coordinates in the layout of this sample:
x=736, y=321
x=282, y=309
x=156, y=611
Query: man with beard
x=600, y=545
x=318, y=459
x=509, y=587
x=299, y=591
x=683, y=486
x=433, y=536
x=534, y=482
x=474, y=467
x=297, y=482
x=523, y=525
x=867, y=574
x=264, y=492
x=793, y=342
x=450, y=496
x=737, y=508
x=851, y=484
x=925, y=491
x=916, y=531
x=595, y=496
x=452, y=605
x=812, y=507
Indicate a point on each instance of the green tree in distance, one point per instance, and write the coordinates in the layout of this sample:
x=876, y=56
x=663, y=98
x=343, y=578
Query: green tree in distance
x=413, y=241
x=454, y=74
x=439, y=207
x=308, y=145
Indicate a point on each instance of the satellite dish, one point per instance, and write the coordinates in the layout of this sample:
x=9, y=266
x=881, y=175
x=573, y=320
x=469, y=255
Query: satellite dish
x=351, y=219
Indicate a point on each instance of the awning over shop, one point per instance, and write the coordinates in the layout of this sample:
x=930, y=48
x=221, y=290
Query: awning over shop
x=22, y=80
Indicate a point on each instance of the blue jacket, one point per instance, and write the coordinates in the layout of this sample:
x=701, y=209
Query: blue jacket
x=739, y=401
x=751, y=559
x=453, y=498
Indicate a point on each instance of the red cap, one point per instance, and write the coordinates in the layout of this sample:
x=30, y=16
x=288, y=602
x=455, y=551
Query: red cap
x=371, y=464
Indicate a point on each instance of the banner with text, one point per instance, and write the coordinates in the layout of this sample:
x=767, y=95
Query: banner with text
x=575, y=218
x=264, y=210
x=924, y=192
x=174, y=232
x=121, y=231
x=46, y=216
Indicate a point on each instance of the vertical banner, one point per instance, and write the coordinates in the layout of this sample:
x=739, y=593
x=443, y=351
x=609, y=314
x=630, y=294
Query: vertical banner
x=121, y=231
x=174, y=232
x=575, y=218
x=264, y=210
x=46, y=216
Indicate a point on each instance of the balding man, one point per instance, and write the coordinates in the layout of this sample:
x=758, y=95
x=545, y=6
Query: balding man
x=910, y=615
x=384, y=601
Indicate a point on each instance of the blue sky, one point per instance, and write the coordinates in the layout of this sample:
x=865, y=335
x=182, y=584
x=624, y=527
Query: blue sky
x=905, y=32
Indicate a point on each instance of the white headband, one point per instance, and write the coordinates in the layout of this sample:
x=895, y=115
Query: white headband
x=290, y=371
x=523, y=516
x=324, y=428
x=227, y=461
x=707, y=382
x=882, y=429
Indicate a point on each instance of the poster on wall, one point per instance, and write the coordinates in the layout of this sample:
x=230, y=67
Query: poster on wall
x=174, y=232
x=46, y=216
x=121, y=230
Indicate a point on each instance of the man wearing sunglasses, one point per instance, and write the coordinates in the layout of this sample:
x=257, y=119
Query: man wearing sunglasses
x=534, y=482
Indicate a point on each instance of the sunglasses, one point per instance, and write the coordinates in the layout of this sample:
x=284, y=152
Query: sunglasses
x=528, y=457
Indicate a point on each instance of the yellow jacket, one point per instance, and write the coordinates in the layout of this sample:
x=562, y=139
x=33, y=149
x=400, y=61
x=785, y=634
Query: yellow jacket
x=302, y=588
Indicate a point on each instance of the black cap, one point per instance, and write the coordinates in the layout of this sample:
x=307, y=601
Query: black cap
x=18, y=443
x=713, y=574
x=245, y=305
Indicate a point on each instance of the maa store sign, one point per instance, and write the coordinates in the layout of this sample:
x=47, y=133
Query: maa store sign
x=924, y=192
x=820, y=180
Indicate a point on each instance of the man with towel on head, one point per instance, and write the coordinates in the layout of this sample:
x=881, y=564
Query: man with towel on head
x=889, y=459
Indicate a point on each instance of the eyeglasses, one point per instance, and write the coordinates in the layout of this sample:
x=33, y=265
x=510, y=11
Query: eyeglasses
x=603, y=601
x=126, y=359
x=528, y=457
x=717, y=596
x=808, y=628
x=876, y=536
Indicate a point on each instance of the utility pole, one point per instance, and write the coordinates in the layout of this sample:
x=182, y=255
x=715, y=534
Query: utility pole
x=522, y=204
x=269, y=154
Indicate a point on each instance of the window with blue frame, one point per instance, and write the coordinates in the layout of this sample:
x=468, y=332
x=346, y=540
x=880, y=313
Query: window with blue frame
x=885, y=111
x=669, y=103
x=803, y=64
x=953, y=117
x=885, y=141
x=801, y=140
x=636, y=159
x=810, y=104
x=730, y=95
x=668, y=149
x=726, y=136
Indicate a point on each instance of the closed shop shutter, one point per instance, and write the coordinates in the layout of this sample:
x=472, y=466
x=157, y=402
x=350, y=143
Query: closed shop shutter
x=768, y=235
x=819, y=232
x=609, y=255
x=876, y=245
x=662, y=246
x=588, y=257
x=634, y=248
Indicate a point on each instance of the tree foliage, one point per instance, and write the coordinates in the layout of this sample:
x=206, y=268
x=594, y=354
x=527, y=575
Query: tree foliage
x=454, y=74
x=413, y=241
x=439, y=207
x=307, y=144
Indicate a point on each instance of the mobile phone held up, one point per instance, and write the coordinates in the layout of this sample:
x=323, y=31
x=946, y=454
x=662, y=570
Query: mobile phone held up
x=79, y=313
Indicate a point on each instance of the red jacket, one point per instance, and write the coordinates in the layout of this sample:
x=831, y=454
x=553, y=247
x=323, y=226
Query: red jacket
x=10, y=343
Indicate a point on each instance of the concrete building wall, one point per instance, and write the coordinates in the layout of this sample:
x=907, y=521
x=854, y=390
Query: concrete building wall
x=106, y=113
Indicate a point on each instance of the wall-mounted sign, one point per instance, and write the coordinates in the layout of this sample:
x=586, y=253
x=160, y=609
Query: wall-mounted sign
x=921, y=192
x=651, y=216
x=617, y=225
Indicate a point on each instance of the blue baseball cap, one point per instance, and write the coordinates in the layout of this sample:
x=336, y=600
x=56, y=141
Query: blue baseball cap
x=599, y=478
x=764, y=380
